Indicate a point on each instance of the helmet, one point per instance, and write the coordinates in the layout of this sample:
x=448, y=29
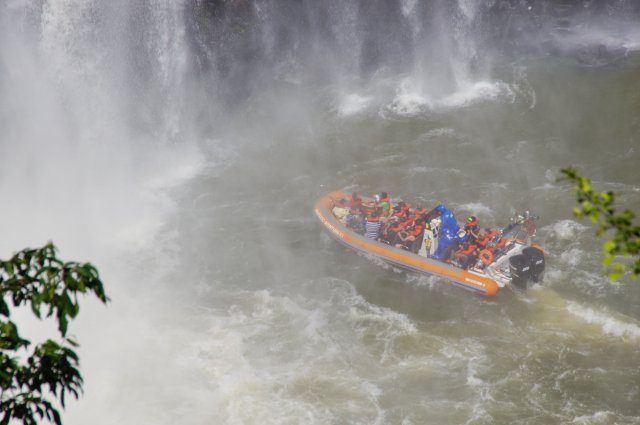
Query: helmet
x=471, y=222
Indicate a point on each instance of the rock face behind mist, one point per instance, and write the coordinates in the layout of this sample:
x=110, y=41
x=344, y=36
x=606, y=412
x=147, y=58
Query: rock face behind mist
x=244, y=43
x=241, y=44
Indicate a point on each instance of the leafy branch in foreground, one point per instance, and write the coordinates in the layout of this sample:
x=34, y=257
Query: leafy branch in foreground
x=49, y=286
x=598, y=206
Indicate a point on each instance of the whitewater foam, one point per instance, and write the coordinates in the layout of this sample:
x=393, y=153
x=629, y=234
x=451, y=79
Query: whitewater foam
x=476, y=208
x=481, y=91
x=572, y=257
x=353, y=104
x=610, y=323
x=410, y=100
x=565, y=229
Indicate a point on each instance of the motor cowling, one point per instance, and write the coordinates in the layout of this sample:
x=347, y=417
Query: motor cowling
x=536, y=262
x=527, y=267
x=520, y=270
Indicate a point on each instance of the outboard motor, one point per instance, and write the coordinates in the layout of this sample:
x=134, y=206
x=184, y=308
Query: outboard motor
x=536, y=261
x=520, y=269
x=527, y=267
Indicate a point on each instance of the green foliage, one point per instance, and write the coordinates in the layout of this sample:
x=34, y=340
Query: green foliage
x=49, y=286
x=599, y=207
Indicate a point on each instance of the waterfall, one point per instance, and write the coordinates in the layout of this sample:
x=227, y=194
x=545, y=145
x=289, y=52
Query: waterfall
x=179, y=145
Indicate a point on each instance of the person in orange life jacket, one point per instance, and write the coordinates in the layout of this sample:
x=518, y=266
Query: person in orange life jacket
x=400, y=209
x=408, y=216
x=407, y=222
x=472, y=227
x=385, y=230
x=407, y=236
x=467, y=254
x=395, y=227
x=404, y=216
x=419, y=211
x=404, y=239
x=392, y=229
x=355, y=203
x=485, y=236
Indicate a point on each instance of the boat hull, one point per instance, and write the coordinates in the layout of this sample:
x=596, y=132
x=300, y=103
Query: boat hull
x=465, y=279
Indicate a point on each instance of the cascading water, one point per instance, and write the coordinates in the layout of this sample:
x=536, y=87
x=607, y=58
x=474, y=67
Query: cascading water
x=180, y=146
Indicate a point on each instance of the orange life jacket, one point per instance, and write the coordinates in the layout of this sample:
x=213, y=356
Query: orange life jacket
x=407, y=222
x=402, y=211
x=466, y=251
x=421, y=211
x=417, y=229
x=487, y=237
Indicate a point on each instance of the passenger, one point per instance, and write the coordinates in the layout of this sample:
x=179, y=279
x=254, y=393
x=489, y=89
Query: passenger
x=420, y=212
x=450, y=251
x=370, y=206
x=341, y=211
x=398, y=209
x=356, y=222
x=472, y=228
x=385, y=204
x=372, y=225
x=492, y=246
x=409, y=237
x=485, y=236
x=392, y=230
x=355, y=203
x=405, y=238
x=466, y=255
x=407, y=222
x=386, y=227
x=529, y=225
x=503, y=245
x=417, y=233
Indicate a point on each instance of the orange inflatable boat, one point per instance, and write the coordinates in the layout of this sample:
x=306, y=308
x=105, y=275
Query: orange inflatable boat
x=518, y=262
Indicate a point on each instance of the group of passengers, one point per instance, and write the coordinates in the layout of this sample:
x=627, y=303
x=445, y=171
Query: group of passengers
x=478, y=246
x=402, y=225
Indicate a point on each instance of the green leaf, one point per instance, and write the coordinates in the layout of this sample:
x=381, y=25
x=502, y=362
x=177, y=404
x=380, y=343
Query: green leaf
x=8, y=267
x=62, y=324
x=30, y=383
x=608, y=260
x=615, y=275
x=35, y=308
x=616, y=272
x=609, y=246
x=583, y=184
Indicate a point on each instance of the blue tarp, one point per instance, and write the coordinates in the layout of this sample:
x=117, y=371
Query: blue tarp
x=448, y=232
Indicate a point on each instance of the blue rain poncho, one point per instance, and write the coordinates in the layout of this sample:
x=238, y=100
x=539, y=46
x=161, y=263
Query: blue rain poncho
x=448, y=232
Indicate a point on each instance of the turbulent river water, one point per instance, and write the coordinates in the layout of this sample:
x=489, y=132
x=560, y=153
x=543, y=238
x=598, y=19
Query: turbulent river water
x=180, y=147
